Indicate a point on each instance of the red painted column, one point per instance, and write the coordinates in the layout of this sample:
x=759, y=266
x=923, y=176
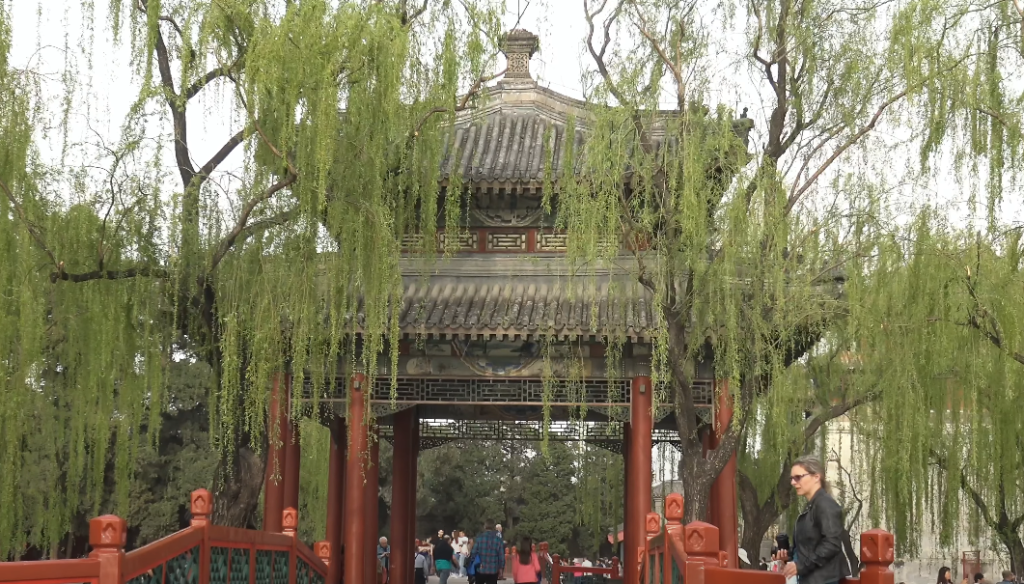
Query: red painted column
x=356, y=538
x=414, y=473
x=626, y=431
x=336, y=498
x=709, y=442
x=293, y=454
x=402, y=481
x=638, y=474
x=723, y=490
x=273, y=483
x=371, y=494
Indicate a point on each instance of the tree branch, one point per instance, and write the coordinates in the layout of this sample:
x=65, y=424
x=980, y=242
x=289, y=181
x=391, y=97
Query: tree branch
x=243, y=218
x=222, y=71
x=797, y=193
x=144, y=271
x=463, y=103
x=33, y=230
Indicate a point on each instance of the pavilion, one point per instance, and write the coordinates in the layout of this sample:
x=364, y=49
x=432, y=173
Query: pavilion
x=470, y=351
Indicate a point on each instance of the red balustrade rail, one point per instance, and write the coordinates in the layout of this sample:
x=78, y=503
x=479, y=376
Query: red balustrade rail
x=202, y=553
x=691, y=554
x=558, y=570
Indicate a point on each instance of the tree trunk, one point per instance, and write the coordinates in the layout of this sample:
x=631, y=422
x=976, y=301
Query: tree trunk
x=238, y=489
x=696, y=476
x=1015, y=546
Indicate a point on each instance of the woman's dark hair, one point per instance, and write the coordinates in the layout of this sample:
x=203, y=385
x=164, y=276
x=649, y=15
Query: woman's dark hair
x=525, y=550
x=943, y=571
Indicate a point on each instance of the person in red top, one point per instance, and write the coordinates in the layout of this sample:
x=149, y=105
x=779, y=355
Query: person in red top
x=526, y=568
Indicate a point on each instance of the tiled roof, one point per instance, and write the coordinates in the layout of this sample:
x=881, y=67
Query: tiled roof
x=508, y=146
x=527, y=307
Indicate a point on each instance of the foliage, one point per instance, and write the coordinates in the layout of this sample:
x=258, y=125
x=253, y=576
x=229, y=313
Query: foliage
x=118, y=260
x=952, y=436
x=754, y=260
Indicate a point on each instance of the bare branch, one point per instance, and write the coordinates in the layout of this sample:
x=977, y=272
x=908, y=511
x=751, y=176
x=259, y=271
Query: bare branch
x=463, y=103
x=243, y=217
x=797, y=193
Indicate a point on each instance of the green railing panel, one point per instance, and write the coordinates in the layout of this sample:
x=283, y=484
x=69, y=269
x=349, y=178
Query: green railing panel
x=263, y=561
x=219, y=565
x=677, y=576
x=280, y=568
x=154, y=576
x=239, y=566
x=184, y=568
x=301, y=571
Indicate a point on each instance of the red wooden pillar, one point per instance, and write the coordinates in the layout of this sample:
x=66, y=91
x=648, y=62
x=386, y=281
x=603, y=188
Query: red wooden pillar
x=293, y=454
x=626, y=431
x=709, y=441
x=414, y=473
x=371, y=494
x=335, y=499
x=638, y=474
x=402, y=505
x=723, y=500
x=356, y=537
x=273, y=480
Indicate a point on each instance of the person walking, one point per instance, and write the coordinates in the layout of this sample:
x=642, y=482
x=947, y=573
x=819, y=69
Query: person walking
x=489, y=548
x=384, y=558
x=462, y=552
x=526, y=569
x=444, y=558
x=421, y=565
x=818, y=556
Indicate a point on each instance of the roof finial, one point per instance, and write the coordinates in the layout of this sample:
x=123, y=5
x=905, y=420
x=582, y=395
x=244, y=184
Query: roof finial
x=519, y=45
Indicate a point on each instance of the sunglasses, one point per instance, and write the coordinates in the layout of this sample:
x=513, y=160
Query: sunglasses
x=797, y=478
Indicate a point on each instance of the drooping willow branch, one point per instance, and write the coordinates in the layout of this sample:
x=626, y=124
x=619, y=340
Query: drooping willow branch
x=33, y=229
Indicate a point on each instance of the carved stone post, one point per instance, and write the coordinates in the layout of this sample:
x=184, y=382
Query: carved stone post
x=700, y=540
x=877, y=552
x=201, y=507
x=322, y=549
x=108, y=536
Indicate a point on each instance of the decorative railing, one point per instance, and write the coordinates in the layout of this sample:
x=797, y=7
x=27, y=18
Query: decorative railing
x=676, y=553
x=202, y=553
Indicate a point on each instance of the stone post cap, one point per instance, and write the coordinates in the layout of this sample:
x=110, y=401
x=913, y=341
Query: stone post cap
x=107, y=532
x=519, y=46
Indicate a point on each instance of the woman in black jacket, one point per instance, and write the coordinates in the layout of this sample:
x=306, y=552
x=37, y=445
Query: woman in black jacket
x=818, y=556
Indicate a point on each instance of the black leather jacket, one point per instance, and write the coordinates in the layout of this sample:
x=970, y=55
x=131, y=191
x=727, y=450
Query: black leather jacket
x=818, y=539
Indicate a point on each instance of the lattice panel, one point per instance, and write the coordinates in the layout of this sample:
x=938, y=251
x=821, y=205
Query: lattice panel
x=507, y=242
x=219, y=565
x=464, y=241
x=412, y=241
x=239, y=566
x=154, y=576
x=608, y=435
x=280, y=568
x=552, y=242
x=263, y=561
x=492, y=391
x=183, y=568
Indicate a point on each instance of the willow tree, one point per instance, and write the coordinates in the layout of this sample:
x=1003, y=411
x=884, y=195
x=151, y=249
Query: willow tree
x=949, y=446
x=116, y=267
x=744, y=252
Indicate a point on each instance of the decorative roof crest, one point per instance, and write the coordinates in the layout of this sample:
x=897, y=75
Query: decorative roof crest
x=519, y=45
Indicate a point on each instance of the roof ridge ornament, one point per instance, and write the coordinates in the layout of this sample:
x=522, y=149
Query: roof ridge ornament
x=519, y=45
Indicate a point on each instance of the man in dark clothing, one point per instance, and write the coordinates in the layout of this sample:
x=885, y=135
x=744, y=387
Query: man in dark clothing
x=1008, y=577
x=490, y=548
